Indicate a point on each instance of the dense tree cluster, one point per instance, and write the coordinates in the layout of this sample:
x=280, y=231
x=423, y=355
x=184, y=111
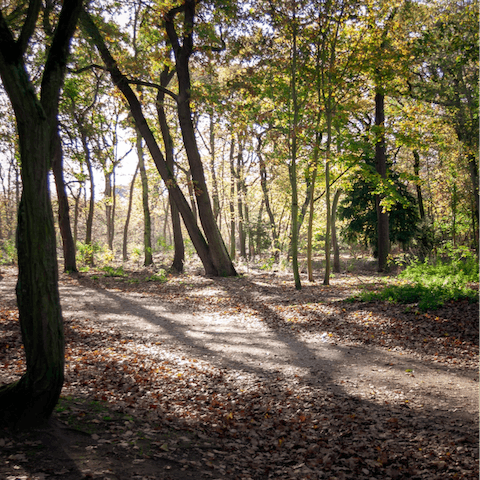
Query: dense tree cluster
x=250, y=124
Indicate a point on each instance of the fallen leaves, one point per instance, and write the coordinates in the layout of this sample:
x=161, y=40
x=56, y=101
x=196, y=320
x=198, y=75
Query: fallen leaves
x=243, y=424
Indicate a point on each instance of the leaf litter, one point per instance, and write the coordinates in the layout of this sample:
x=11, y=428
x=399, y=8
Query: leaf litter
x=139, y=404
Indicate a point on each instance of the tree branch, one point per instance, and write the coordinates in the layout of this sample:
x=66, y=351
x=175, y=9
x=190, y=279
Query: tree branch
x=153, y=85
x=29, y=25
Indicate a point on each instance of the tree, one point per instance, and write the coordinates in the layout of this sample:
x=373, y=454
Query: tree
x=212, y=263
x=32, y=399
x=182, y=52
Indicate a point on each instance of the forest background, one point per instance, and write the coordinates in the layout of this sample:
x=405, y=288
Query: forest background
x=277, y=133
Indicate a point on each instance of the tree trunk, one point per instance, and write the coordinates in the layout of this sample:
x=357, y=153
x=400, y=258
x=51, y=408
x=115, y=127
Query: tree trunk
x=147, y=223
x=179, y=255
x=263, y=182
x=326, y=279
x=240, y=205
x=219, y=253
x=127, y=220
x=383, y=241
x=416, y=171
x=316, y=150
x=215, y=195
x=336, y=249
x=32, y=399
x=206, y=254
x=293, y=161
x=232, y=197
x=91, y=206
x=69, y=260
x=109, y=207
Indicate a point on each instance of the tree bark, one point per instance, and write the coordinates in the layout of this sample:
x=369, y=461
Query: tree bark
x=147, y=223
x=336, y=249
x=231, y=202
x=416, y=171
x=179, y=252
x=69, y=259
x=383, y=240
x=206, y=254
x=240, y=204
x=127, y=220
x=32, y=399
x=219, y=253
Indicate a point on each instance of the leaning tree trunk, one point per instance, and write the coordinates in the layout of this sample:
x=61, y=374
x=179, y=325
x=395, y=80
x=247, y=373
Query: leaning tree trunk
x=69, y=259
x=207, y=255
x=179, y=247
x=381, y=167
x=219, y=253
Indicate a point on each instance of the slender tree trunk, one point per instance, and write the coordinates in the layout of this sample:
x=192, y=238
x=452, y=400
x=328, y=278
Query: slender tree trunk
x=179, y=252
x=127, y=220
x=206, y=254
x=336, y=249
x=232, y=197
x=416, y=171
x=316, y=150
x=240, y=205
x=147, y=225
x=69, y=260
x=219, y=253
x=268, y=208
x=91, y=206
x=109, y=208
x=215, y=195
x=293, y=160
x=326, y=279
x=381, y=167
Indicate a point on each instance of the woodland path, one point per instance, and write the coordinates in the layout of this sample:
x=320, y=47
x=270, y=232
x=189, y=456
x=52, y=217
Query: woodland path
x=259, y=329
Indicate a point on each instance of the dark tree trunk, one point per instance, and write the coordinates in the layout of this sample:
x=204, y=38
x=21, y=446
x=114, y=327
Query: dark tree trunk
x=240, y=204
x=127, y=220
x=147, y=223
x=336, y=249
x=381, y=167
x=416, y=171
x=69, y=260
x=32, y=399
x=179, y=252
x=263, y=182
x=109, y=208
x=219, y=253
x=231, y=202
x=207, y=255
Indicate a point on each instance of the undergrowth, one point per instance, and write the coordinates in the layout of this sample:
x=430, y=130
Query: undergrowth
x=431, y=285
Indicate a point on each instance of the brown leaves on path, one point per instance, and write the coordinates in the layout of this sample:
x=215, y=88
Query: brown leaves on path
x=162, y=406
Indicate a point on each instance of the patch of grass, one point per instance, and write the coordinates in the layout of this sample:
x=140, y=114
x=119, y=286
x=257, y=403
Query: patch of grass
x=113, y=272
x=160, y=276
x=431, y=285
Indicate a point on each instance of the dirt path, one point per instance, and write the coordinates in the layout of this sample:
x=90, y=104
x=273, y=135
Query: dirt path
x=233, y=326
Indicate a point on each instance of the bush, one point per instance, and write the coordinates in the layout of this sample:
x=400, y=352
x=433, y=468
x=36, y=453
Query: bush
x=8, y=252
x=431, y=285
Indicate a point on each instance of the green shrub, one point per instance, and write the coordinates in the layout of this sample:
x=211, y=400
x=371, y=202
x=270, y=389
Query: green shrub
x=113, y=272
x=431, y=285
x=8, y=252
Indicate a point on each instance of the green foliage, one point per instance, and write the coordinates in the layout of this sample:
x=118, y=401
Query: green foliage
x=268, y=264
x=358, y=209
x=160, y=276
x=163, y=245
x=8, y=252
x=113, y=272
x=431, y=285
x=85, y=252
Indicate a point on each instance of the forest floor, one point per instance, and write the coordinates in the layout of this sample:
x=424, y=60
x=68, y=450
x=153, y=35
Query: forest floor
x=247, y=378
